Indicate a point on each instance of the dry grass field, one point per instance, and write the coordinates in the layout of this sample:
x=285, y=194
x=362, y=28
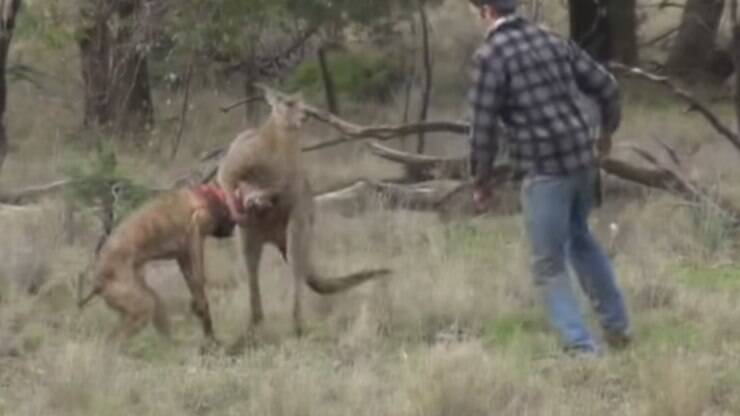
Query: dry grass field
x=455, y=331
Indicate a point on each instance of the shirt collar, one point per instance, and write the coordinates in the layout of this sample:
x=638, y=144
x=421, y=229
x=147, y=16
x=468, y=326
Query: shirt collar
x=500, y=22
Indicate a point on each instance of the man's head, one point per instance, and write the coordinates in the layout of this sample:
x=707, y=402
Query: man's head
x=491, y=10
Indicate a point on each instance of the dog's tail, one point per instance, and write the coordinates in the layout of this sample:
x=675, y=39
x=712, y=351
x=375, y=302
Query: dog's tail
x=328, y=286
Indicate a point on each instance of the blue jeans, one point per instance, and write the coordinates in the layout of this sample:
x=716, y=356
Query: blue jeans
x=556, y=210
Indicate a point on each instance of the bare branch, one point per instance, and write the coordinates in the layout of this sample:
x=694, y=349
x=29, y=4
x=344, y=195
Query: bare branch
x=665, y=35
x=22, y=195
x=325, y=144
x=240, y=103
x=384, y=132
x=664, y=5
x=415, y=160
x=672, y=154
x=424, y=196
x=686, y=96
x=356, y=132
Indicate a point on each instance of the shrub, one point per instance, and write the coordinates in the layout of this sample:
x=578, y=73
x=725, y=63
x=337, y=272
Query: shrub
x=99, y=183
x=358, y=76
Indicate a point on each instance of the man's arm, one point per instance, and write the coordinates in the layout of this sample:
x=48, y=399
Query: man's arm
x=596, y=81
x=486, y=96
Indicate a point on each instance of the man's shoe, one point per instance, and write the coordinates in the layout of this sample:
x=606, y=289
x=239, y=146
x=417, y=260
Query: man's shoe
x=582, y=352
x=618, y=340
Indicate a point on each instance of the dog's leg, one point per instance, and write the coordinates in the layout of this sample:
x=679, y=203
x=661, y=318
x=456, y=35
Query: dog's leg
x=154, y=306
x=199, y=303
x=124, y=292
x=193, y=269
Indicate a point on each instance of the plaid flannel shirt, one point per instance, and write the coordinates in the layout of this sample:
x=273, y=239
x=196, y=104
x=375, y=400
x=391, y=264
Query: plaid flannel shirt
x=538, y=85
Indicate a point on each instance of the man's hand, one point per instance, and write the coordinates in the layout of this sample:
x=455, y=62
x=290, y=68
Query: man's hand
x=481, y=195
x=604, y=146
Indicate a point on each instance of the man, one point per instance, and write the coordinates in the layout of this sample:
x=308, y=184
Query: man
x=538, y=85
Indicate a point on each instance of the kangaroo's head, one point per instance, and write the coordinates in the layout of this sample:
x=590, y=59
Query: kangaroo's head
x=288, y=111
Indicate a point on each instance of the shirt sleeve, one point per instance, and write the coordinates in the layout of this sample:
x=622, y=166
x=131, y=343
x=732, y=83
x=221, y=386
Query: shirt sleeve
x=594, y=80
x=486, y=96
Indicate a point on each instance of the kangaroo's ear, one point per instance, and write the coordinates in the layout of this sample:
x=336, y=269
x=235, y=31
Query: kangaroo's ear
x=270, y=95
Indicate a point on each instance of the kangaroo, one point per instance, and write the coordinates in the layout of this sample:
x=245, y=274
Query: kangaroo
x=264, y=168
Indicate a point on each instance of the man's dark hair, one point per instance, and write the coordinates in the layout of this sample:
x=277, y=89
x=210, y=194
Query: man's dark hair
x=503, y=7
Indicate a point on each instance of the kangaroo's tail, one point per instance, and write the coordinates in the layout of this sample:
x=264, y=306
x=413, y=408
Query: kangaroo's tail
x=328, y=286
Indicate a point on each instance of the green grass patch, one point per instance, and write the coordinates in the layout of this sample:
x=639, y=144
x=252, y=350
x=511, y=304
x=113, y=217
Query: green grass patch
x=33, y=337
x=720, y=278
x=514, y=329
x=668, y=332
x=149, y=347
x=483, y=240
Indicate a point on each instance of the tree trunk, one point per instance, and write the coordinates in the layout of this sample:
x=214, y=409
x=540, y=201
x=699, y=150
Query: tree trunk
x=590, y=28
x=115, y=73
x=328, y=80
x=622, y=18
x=735, y=47
x=132, y=97
x=696, y=37
x=606, y=29
x=9, y=13
x=427, y=61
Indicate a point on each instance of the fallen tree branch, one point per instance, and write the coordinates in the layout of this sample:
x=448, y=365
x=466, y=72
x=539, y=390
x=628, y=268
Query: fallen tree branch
x=423, y=196
x=386, y=132
x=20, y=196
x=424, y=166
x=354, y=132
x=659, y=177
x=694, y=103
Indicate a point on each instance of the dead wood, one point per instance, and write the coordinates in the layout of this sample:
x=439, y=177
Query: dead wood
x=22, y=196
x=423, y=165
x=659, y=176
x=694, y=103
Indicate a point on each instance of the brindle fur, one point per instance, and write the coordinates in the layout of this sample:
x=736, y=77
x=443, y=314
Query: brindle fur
x=172, y=226
x=265, y=166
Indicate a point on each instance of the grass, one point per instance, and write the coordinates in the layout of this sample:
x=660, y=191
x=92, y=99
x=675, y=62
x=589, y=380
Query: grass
x=457, y=329
x=716, y=279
